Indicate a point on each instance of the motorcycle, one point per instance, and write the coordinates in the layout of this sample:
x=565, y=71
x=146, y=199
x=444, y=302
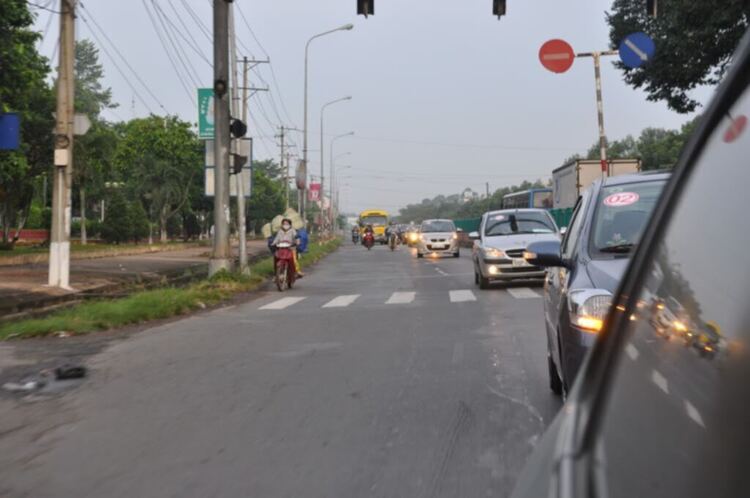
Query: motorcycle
x=283, y=264
x=369, y=240
x=392, y=241
x=355, y=237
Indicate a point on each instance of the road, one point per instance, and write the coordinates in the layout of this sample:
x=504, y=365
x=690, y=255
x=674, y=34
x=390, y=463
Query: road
x=378, y=375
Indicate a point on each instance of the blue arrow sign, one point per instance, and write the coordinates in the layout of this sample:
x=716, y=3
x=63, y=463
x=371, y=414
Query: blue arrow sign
x=636, y=49
x=10, y=126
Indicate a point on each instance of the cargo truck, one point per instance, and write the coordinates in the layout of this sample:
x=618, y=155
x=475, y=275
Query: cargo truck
x=569, y=180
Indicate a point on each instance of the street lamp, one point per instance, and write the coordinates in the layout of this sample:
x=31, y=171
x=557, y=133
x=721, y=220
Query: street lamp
x=345, y=27
x=322, y=168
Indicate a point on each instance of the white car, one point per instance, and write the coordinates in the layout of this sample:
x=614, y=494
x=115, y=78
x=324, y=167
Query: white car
x=437, y=237
x=501, y=240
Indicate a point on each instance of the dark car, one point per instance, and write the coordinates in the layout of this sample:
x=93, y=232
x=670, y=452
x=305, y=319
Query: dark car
x=584, y=270
x=650, y=417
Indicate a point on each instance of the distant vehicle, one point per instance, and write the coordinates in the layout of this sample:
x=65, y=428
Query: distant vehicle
x=586, y=268
x=437, y=237
x=378, y=219
x=651, y=419
x=533, y=198
x=501, y=240
x=569, y=180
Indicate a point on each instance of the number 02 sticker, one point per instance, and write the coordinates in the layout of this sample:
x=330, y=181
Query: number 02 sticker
x=621, y=199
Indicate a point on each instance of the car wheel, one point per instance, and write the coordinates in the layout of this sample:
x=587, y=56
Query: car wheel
x=555, y=384
x=484, y=282
x=476, y=277
x=457, y=254
x=419, y=254
x=563, y=381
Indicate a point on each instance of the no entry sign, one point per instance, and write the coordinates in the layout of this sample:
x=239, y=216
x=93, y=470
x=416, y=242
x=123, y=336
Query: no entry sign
x=556, y=55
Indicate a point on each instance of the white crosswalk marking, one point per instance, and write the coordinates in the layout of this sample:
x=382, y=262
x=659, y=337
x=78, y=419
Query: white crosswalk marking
x=401, y=298
x=522, y=293
x=460, y=296
x=282, y=303
x=341, y=301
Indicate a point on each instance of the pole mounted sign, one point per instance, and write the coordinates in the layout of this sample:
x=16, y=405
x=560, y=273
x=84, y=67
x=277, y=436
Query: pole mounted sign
x=10, y=126
x=636, y=49
x=556, y=55
x=206, y=128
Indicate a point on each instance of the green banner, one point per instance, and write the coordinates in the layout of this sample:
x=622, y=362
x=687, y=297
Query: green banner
x=206, y=113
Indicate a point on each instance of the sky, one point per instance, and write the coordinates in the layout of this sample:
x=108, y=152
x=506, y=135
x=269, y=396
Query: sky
x=444, y=95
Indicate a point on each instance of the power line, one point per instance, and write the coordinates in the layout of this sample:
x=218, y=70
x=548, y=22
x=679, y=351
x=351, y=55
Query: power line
x=43, y=7
x=179, y=52
x=194, y=45
x=132, y=70
x=203, y=29
x=114, y=62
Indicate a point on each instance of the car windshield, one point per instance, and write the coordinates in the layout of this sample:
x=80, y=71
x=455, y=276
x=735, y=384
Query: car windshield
x=438, y=226
x=514, y=223
x=621, y=216
x=374, y=220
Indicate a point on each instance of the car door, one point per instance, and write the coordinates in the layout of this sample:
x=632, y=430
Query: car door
x=476, y=248
x=556, y=278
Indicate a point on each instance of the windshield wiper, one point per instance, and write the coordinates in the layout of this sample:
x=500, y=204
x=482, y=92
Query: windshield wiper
x=619, y=248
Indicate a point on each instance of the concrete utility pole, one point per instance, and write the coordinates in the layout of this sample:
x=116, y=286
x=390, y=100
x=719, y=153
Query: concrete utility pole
x=221, y=257
x=59, y=252
x=599, y=105
x=241, y=223
x=286, y=170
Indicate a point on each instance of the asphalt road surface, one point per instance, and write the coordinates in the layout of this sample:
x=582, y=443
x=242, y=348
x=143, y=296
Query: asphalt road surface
x=379, y=374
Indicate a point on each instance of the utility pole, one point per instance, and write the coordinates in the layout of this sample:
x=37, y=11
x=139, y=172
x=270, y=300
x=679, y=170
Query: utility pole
x=221, y=255
x=286, y=170
x=241, y=223
x=59, y=252
x=487, y=191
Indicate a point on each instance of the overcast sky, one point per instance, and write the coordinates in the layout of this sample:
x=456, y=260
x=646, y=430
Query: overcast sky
x=445, y=96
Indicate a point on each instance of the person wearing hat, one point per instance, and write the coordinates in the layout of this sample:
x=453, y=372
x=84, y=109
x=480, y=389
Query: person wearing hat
x=288, y=234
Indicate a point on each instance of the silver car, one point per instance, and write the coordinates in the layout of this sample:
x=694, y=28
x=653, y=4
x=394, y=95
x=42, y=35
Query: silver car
x=501, y=240
x=437, y=237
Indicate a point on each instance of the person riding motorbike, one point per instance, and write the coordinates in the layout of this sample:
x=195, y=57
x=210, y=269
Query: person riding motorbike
x=289, y=235
x=369, y=234
x=392, y=231
x=355, y=234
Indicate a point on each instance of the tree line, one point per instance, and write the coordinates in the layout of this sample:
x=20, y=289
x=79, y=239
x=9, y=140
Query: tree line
x=133, y=180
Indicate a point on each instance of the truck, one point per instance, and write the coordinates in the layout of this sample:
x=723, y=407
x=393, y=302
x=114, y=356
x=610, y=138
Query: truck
x=569, y=180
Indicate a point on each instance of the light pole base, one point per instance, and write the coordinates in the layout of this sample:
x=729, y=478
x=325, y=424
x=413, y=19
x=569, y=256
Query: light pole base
x=215, y=265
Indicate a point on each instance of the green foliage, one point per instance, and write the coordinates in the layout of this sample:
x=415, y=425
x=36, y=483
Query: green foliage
x=36, y=216
x=118, y=225
x=139, y=220
x=91, y=96
x=267, y=199
x=694, y=45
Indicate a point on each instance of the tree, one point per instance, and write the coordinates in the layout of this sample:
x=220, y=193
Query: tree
x=91, y=96
x=158, y=158
x=118, y=225
x=694, y=41
x=139, y=221
x=267, y=200
x=23, y=89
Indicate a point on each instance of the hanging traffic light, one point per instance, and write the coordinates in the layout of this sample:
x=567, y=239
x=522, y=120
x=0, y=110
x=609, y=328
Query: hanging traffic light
x=366, y=7
x=651, y=7
x=498, y=8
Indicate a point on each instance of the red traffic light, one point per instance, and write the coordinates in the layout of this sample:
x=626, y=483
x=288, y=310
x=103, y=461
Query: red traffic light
x=366, y=7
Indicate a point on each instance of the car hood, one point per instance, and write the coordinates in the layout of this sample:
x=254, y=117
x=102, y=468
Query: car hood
x=517, y=241
x=607, y=273
x=438, y=235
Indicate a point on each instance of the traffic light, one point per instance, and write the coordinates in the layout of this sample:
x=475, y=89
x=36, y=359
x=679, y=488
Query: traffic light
x=366, y=7
x=237, y=128
x=498, y=8
x=651, y=7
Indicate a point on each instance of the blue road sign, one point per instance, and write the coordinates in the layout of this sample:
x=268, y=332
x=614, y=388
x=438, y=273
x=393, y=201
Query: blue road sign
x=10, y=126
x=636, y=49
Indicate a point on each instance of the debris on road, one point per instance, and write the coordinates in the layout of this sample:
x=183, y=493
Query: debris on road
x=70, y=372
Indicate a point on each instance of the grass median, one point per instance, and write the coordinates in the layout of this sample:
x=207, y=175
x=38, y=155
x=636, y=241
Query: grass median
x=154, y=304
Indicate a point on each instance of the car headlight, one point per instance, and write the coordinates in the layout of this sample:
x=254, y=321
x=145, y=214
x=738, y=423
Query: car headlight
x=491, y=252
x=455, y=236
x=588, y=308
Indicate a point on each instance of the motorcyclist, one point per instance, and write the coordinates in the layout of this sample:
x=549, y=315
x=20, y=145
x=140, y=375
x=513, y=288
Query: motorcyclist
x=355, y=233
x=289, y=235
x=391, y=229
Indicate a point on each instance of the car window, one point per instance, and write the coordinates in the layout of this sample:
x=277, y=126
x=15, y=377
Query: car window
x=520, y=222
x=677, y=418
x=574, y=227
x=438, y=226
x=620, y=215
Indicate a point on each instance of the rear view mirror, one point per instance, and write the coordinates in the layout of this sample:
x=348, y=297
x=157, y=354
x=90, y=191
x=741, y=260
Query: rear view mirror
x=544, y=253
x=563, y=230
x=459, y=230
x=474, y=235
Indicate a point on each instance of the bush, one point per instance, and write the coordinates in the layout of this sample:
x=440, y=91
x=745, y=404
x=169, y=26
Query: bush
x=192, y=226
x=174, y=226
x=118, y=226
x=139, y=219
x=36, y=217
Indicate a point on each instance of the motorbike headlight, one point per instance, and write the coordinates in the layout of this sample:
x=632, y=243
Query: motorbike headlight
x=491, y=252
x=588, y=308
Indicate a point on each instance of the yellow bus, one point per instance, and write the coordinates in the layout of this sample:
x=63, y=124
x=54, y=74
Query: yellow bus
x=378, y=219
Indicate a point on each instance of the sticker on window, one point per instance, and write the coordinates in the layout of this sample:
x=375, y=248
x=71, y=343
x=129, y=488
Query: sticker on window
x=621, y=199
x=499, y=217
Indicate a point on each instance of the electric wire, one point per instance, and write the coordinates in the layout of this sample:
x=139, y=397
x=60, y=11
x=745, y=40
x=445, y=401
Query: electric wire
x=178, y=50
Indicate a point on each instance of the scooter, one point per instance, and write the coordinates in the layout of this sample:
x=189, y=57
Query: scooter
x=392, y=241
x=355, y=237
x=283, y=264
x=369, y=240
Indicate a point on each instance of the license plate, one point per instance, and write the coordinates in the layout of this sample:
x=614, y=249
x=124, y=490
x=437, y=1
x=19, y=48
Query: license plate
x=520, y=262
x=438, y=246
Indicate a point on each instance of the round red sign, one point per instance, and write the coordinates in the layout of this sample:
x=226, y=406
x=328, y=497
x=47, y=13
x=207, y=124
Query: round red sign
x=621, y=199
x=736, y=127
x=556, y=55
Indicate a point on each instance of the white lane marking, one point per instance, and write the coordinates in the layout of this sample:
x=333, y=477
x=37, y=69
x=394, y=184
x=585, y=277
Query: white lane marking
x=522, y=293
x=458, y=353
x=441, y=272
x=460, y=296
x=632, y=352
x=282, y=303
x=660, y=381
x=694, y=414
x=341, y=301
x=401, y=298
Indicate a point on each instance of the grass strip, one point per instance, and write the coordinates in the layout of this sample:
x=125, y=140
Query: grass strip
x=154, y=304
